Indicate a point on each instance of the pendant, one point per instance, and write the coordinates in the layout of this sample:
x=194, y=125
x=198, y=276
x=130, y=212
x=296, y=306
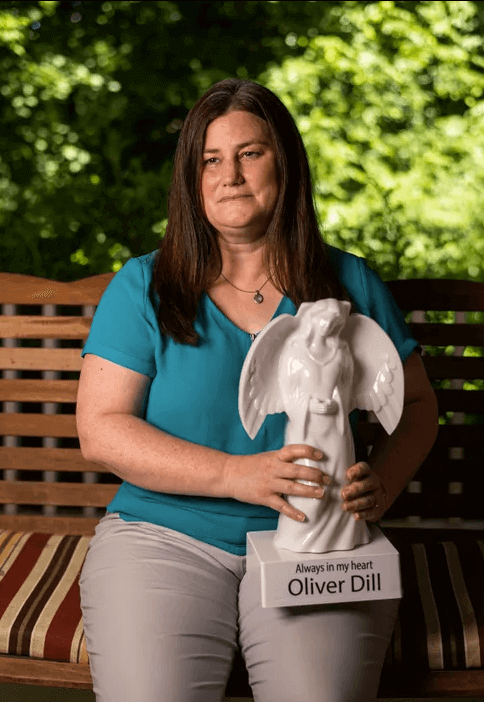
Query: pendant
x=258, y=297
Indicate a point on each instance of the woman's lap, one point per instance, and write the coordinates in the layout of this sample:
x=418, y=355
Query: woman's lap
x=163, y=614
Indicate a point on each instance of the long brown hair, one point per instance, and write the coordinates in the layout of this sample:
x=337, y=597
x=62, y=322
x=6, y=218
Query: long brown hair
x=188, y=260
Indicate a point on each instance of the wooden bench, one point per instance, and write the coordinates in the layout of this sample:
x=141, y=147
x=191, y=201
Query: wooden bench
x=48, y=488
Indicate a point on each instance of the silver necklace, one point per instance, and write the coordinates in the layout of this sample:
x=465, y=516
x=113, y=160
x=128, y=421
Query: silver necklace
x=257, y=297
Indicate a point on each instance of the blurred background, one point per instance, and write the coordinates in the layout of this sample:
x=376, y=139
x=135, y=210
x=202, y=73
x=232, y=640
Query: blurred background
x=388, y=97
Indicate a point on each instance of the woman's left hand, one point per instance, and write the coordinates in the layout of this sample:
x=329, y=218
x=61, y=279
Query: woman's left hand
x=365, y=495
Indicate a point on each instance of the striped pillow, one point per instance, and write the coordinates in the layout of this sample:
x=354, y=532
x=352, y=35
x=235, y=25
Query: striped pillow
x=441, y=617
x=40, y=609
x=440, y=624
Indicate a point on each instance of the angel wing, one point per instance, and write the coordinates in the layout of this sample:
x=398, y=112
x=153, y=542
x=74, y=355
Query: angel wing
x=259, y=391
x=378, y=381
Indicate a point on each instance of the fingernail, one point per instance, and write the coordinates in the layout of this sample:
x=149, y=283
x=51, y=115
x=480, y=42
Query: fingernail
x=318, y=454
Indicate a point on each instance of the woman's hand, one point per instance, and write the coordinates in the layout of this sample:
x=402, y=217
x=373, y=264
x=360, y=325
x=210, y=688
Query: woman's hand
x=364, y=495
x=262, y=478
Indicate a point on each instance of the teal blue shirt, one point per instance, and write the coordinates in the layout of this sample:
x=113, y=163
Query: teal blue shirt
x=193, y=392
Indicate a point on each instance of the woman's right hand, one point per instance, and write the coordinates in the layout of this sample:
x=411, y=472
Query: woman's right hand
x=262, y=478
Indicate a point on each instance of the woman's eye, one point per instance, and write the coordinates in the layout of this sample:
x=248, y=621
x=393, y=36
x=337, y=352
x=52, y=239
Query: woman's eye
x=211, y=161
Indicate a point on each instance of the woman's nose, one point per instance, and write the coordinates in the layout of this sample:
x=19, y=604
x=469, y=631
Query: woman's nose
x=231, y=172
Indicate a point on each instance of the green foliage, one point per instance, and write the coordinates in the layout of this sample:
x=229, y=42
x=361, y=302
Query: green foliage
x=387, y=95
x=391, y=109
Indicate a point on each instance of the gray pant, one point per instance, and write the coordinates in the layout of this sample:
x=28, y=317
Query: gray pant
x=163, y=614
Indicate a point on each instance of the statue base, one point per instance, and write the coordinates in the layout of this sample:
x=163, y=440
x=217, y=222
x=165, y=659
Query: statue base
x=367, y=572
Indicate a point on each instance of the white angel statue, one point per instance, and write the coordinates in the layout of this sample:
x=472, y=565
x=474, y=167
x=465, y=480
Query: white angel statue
x=317, y=367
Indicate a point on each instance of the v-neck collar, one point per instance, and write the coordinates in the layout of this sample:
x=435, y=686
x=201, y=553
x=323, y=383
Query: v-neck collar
x=228, y=322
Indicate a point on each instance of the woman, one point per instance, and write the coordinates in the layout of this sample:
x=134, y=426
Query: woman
x=165, y=594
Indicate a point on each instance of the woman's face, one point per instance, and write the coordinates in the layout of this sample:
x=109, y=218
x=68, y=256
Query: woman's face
x=239, y=185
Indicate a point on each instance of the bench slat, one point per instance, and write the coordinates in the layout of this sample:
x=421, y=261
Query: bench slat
x=49, y=525
x=447, y=334
x=19, y=289
x=42, y=327
x=31, y=390
x=449, y=434
x=65, y=494
x=56, y=459
x=30, y=671
x=41, y=359
x=469, y=401
x=57, y=425
x=442, y=683
x=438, y=294
x=429, y=505
x=442, y=367
x=447, y=470
x=25, y=671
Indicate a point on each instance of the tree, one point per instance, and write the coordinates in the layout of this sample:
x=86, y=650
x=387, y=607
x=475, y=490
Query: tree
x=390, y=105
x=387, y=96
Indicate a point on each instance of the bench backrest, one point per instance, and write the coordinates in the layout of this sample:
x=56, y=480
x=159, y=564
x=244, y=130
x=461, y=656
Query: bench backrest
x=46, y=485
x=447, y=318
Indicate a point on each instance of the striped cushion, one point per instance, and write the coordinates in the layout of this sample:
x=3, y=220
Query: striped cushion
x=441, y=617
x=40, y=609
x=440, y=624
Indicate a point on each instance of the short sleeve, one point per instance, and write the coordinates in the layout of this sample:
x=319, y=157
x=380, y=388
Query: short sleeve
x=378, y=303
x=123, y=328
